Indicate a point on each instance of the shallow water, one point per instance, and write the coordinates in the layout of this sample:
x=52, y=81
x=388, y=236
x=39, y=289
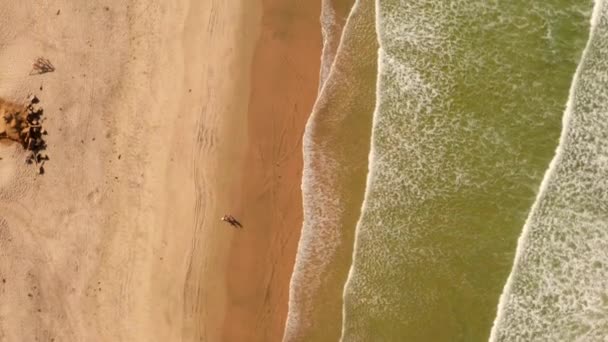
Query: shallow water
x=336, y=148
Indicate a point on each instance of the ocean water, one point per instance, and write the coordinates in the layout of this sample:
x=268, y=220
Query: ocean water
x=470, y=100
x=421, y=191
x=558, y=290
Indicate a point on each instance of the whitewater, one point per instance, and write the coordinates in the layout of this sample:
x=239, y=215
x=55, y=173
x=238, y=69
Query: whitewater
x=470, y=96
x=423, y=159
x=557, y=289
x=336, y=146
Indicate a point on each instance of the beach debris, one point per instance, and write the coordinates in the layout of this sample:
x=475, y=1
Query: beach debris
x=42, y=66
x=23, y=124
x=230, y=219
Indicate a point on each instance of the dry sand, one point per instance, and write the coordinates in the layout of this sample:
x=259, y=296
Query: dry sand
x=150, y=142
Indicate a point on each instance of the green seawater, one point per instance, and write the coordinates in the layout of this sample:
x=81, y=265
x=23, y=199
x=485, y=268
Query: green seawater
x=557, y=290
x=471, y=96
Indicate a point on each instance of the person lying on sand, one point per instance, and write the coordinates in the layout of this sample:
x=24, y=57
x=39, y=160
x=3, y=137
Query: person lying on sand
x=230, y=219
x=233, y=222
x=225, y=218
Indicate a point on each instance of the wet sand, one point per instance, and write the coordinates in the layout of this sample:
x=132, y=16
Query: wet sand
x=337, y=142
x=284, y=83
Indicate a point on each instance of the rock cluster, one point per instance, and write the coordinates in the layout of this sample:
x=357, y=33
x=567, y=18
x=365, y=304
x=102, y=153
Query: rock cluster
x=24, y=125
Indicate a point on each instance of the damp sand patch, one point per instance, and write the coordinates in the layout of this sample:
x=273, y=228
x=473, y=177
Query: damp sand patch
x=23, y=124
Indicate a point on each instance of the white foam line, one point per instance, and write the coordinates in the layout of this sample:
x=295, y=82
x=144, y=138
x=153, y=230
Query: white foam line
x=326, y=31
x=340, y=47
x=522, y=240
x=301, y=258
x=370, y=163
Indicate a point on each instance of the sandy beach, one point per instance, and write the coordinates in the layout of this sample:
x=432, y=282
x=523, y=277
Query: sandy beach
x=161, y=118
x=284, y=81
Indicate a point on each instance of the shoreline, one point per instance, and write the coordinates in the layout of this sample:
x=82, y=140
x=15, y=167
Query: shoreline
x=337, y=143
x=284, y=83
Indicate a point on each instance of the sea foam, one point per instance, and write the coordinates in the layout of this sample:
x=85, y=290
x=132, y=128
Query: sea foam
x=557, y=290
x=336, y=145
x=464, y=128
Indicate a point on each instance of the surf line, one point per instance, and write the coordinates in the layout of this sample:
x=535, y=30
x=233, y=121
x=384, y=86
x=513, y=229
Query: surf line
x=370, y=163
x=566, y=119
x=306, y=245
